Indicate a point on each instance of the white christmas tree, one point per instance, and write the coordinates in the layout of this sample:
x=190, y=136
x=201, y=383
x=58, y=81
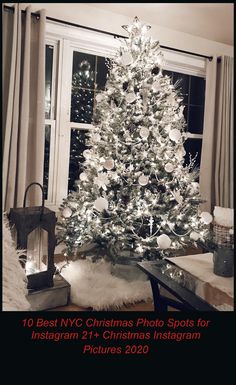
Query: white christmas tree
x=134, y=192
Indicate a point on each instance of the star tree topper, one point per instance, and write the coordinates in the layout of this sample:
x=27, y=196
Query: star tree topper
x=136, y=28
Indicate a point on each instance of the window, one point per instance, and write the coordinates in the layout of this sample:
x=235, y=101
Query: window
x=77, y=146
x=75, y=71
x=89, y=74
x=192, y=89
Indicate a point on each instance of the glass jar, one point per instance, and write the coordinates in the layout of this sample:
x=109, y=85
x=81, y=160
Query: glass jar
x=223, y=260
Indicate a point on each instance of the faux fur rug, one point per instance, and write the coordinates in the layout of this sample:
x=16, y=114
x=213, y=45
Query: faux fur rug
x=14, y=280
x=93, y=285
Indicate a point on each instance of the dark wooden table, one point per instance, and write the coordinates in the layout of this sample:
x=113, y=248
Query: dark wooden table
x=179, y=283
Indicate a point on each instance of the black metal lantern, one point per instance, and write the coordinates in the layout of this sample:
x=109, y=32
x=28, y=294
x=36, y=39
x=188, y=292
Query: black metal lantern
x=35, y=232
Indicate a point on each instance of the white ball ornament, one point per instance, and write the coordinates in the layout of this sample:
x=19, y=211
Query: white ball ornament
x=156, y=86
x=167, y=128
x=83, y=176
x=169, y=154
x=175, y=135
x=178, y=197
x=126, y=58
x=95, y=137
x=163, y=241
x=130, y=97
x=143, y=180
x=169, y=167
x=206, y=217
x=67, y=212
x=110, y=91
x=194, y=236
x=109, y=164
x=101, y=204
x=144, y=132
x=74, y=205
x=194, y=186
x=101, y=180
x=99, y=98
x=87, y=154
x=160, y=60
x=180, y=153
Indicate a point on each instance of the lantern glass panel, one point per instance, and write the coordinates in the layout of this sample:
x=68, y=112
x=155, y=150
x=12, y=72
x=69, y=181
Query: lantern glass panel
x=37, y=251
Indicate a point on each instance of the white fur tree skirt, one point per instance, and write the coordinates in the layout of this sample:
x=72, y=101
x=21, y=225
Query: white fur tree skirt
x=93, y=285
x=14, y=279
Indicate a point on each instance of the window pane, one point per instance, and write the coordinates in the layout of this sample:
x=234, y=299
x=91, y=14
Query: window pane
x=193, y=147
x=48, y=80
x=102, y=72
x=195, y=122
x=197, y=95
x=82, y=106
x=182, y=84
x=186, y=113
x=83, y=75
x=77, y=146
x=168, y=73
x=46, y=159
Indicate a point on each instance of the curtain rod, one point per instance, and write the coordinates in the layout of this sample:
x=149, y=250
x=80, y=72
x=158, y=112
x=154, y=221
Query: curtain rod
x=108, y=33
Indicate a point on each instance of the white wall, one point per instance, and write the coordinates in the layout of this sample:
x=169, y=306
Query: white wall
x=93, y=17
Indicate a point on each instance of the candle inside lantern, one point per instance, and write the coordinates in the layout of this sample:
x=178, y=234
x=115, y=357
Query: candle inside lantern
x=36, y=251
x=30, y=267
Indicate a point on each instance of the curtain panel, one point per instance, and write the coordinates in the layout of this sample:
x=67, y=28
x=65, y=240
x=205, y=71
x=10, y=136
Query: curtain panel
x=216, y=169
x=23, y=42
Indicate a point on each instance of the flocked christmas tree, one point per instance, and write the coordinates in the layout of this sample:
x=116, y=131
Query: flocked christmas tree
x=134, y=192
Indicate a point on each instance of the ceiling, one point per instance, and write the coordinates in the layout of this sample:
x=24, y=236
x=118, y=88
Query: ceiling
x=213, y=21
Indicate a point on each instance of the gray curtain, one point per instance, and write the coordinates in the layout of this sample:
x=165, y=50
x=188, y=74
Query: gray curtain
x=216, y=170
x=23, y=104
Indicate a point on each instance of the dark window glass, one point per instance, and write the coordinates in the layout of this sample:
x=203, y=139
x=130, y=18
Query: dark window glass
x=82, y=106
x=46, y=159
x=168, y=73
x=101, y=72
x=48, y=80
x=193, y=147
x=197, y=95
x=83, y=74
x=195, y=122
x=181, y=81
x=192, y=89
x=77, y=146
x=89, y=75
x=186, y=113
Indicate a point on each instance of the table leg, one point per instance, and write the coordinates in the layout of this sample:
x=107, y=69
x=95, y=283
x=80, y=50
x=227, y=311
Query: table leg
x=159, y=303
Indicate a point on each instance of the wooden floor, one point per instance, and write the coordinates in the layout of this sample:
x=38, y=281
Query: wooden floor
x=141, y=306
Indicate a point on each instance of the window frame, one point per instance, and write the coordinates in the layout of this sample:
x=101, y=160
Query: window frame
x=52, y=121
x=66, y=39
